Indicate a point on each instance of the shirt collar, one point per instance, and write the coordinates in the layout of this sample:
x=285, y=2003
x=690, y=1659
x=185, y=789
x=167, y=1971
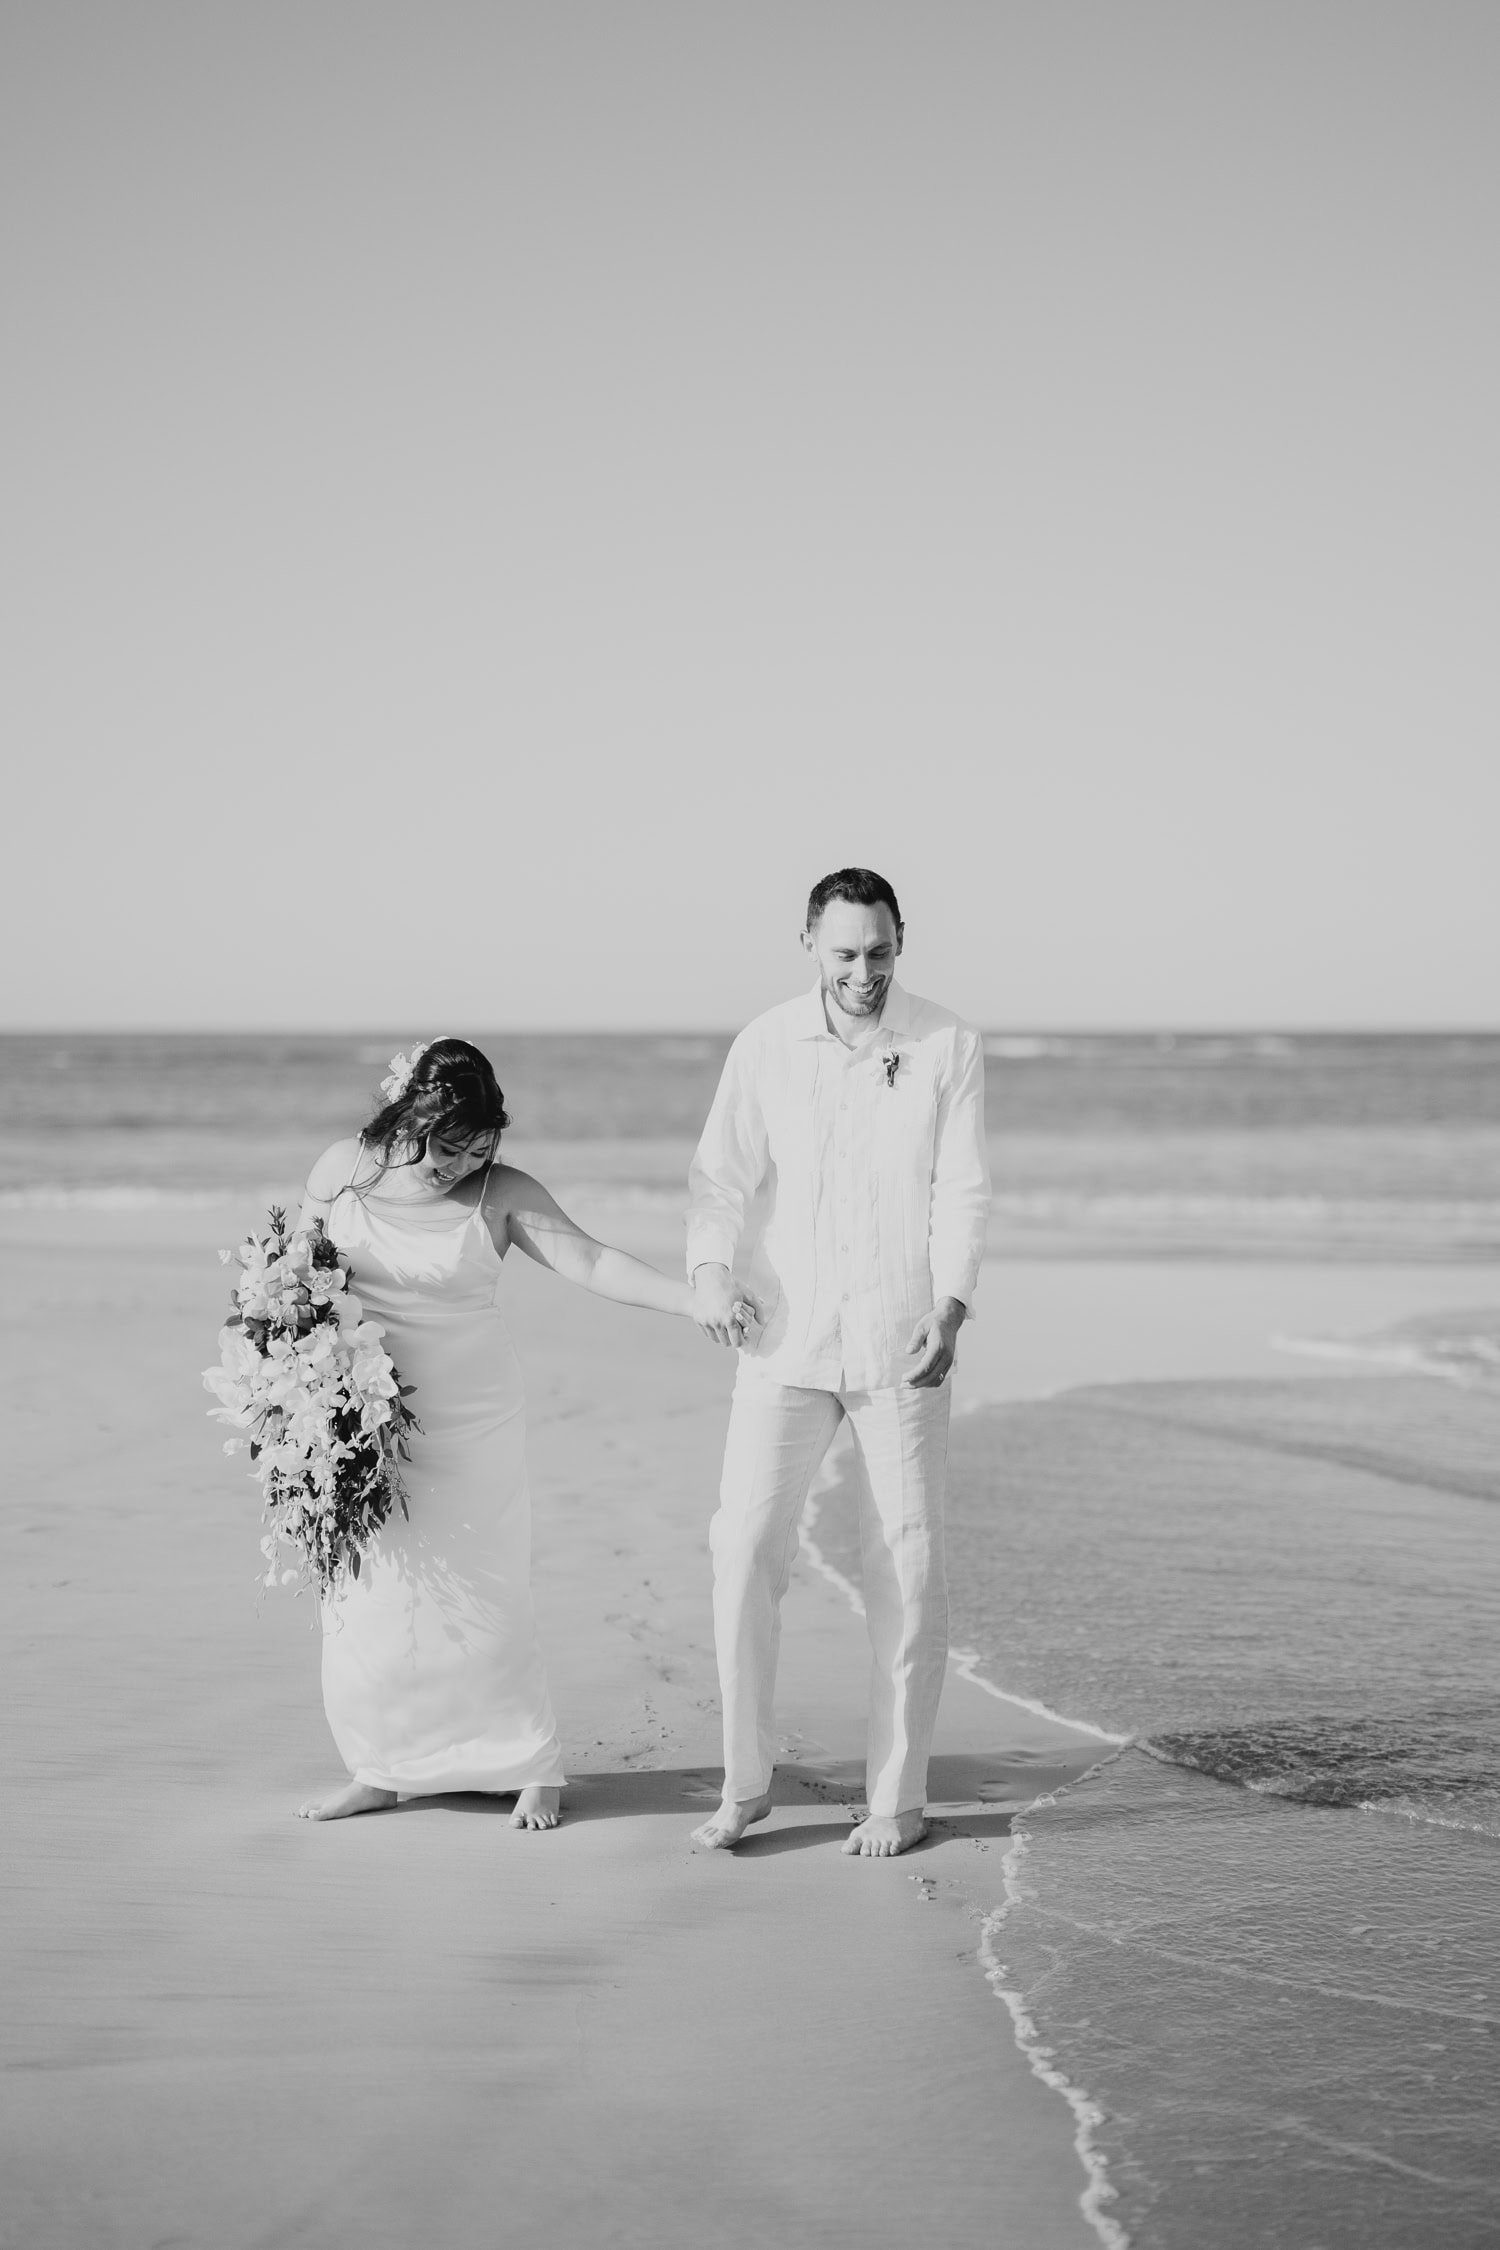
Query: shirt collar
x=809, y=1021
x=895, y=1016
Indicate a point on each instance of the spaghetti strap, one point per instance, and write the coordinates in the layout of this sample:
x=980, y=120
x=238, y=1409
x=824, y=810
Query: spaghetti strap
x=484, y=1189
x=349, y=1187
x=311, y=1195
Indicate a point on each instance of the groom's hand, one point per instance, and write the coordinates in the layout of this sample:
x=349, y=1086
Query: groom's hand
x=936, y=1338
x=719, y=1303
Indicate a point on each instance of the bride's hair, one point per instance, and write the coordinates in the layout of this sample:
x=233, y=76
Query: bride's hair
x=452, y=1090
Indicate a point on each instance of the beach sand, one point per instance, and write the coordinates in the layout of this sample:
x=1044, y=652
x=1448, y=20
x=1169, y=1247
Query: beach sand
x=231, y=2028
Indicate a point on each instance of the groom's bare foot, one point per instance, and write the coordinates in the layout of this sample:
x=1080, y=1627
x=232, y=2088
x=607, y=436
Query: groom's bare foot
x=358, y=1797
x=537, y=1808
x=729, y=1823
x=881, y=1836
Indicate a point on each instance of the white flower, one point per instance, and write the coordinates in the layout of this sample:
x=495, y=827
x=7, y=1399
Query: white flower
x=371, y=1369
x=285, y=1383
x=281, y=1460
x=402, y=1066
x=237, y=1355
x=237, y=1404
x=236, y=1381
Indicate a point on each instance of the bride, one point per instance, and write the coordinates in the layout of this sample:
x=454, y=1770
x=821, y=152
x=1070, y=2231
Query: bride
x=432, y=1679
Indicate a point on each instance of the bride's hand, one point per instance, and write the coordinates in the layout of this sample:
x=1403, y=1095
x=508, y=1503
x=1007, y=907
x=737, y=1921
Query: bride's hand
x=720, y=1305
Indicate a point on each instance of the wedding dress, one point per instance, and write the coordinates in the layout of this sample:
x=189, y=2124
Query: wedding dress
x=432, y=1679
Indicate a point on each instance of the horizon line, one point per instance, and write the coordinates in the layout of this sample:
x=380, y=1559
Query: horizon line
x=1259, y=1029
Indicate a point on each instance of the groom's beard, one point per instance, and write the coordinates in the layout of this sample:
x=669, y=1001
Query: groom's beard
x=852, y=1003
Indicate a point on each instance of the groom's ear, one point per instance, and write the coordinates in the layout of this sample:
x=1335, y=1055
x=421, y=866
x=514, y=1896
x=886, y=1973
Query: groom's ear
x=900, y=935
x=807, y=941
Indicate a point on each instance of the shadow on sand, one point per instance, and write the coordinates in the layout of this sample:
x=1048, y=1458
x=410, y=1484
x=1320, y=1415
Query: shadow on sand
x=967, y=1794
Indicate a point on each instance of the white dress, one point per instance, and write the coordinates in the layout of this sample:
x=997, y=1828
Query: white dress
x=432, y=1680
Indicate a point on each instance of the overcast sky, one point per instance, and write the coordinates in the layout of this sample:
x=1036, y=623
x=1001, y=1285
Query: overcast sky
x=498, y=499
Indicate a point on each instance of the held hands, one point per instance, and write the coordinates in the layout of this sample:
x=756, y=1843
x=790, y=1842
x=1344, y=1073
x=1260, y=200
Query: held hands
x=727, y=1313
x=724, y=1309
x=936, y=1338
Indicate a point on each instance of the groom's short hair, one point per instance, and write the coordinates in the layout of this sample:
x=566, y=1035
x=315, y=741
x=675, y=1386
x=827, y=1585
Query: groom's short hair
x=861, y=886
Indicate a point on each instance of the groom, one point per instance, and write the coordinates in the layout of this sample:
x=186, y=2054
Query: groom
x=841, y=1188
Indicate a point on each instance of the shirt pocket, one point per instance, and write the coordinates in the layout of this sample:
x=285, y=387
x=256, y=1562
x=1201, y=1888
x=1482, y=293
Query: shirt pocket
x=902, y=1116
x=902, y=1123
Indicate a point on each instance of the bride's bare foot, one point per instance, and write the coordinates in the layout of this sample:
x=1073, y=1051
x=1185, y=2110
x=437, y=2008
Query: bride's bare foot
x=358, y=1797
x=728, y=1824
x=537, y=1808
x=880, y=1836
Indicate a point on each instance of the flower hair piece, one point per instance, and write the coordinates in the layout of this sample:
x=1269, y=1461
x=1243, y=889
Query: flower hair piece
x=402, y=1067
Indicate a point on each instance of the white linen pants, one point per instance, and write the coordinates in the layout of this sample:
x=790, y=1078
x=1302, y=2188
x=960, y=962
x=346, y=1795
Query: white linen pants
x=778, y=1435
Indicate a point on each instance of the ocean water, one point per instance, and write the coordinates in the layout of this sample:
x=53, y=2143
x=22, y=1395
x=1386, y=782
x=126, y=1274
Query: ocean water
x=131, y=1115
x=1346, y=1146
x=1463, y=1347
x=1263, y=1938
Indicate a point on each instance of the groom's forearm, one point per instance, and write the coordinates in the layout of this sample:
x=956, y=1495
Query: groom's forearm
x=728, y=1165
x=715, y=1222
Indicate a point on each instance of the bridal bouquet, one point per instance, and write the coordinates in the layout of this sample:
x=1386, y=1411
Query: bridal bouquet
x=305, y=1379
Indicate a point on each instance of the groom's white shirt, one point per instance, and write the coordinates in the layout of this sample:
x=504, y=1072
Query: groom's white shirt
x=850, y=1205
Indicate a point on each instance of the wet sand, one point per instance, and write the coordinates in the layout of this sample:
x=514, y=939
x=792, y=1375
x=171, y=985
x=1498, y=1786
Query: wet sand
x=228, y=2027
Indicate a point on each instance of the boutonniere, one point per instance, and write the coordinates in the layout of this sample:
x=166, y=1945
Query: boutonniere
x=890, y=1061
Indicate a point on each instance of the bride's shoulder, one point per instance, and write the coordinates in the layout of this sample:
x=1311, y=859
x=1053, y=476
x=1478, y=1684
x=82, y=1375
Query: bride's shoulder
x=335, y=1168
x=511, y=1189
x=506, y=1180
